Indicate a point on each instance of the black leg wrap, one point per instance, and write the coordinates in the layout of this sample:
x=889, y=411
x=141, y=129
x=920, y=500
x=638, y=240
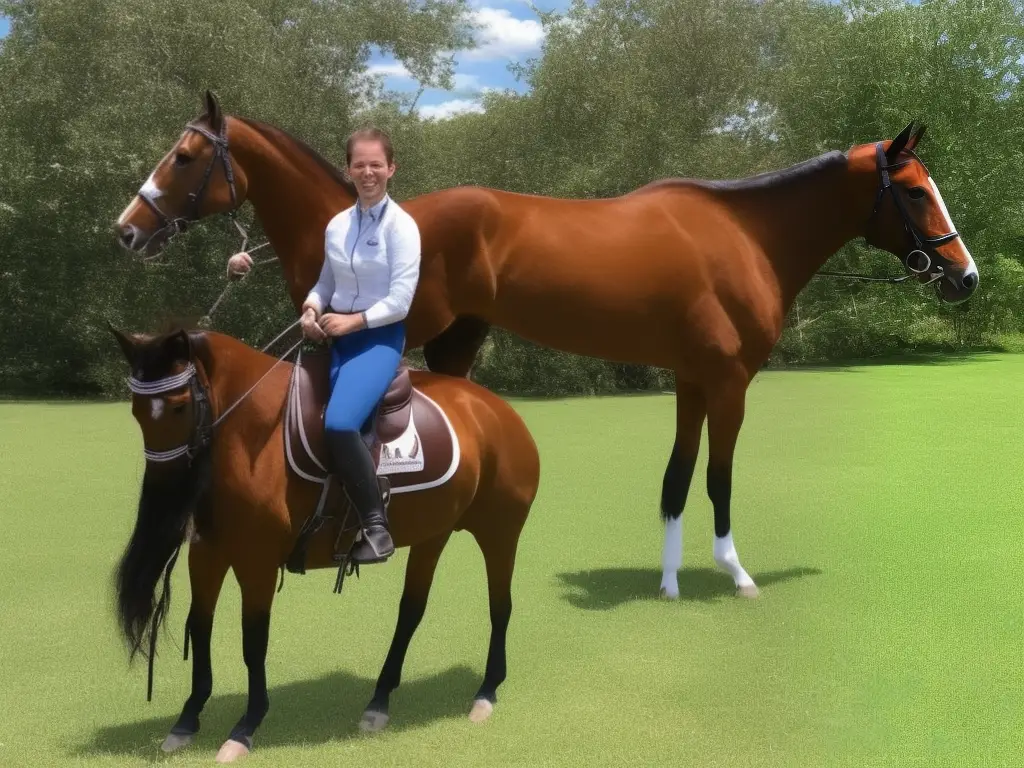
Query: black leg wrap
x=675, y=485
x=720, y=493
x=200, y=630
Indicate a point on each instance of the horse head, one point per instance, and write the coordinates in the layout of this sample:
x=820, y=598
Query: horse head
x=196, y=178
x=910, y=220
x=169, y=402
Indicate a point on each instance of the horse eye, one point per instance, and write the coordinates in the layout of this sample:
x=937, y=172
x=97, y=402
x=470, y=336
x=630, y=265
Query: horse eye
x=179, y=408
x=181, y=158
x=917, y=193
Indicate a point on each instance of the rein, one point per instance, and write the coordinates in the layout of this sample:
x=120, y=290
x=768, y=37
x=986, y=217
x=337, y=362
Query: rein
x=921, y=241
x=176, y=224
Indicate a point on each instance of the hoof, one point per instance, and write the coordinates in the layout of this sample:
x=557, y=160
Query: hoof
x=482, y=709
x=231, y=750
x=667, y=594
x=749, y=591
x=374, y=721
x=176, y=741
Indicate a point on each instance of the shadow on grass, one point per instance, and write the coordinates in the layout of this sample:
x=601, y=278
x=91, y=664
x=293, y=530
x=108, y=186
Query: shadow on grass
x=301, y=713
x=608, y=588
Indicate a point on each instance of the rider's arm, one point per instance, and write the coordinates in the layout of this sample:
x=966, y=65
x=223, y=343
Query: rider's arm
x=403, y=249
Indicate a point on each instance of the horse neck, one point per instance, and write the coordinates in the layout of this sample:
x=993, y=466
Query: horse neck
x=294, y=197
x=233, y=369
x=802, y=220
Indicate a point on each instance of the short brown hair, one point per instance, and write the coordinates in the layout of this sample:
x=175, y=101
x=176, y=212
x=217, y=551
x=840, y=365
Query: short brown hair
x=374, y=134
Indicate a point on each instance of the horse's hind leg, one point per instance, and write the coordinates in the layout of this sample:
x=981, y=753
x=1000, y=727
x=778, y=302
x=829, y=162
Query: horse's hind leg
x=726, y=404
x=498, y=542
x=256, y=578
x=419, y=575
x=690, y=411
x=453, y=352
x=206, y=571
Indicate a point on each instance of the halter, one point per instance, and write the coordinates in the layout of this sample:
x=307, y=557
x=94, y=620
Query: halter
x=220, y=152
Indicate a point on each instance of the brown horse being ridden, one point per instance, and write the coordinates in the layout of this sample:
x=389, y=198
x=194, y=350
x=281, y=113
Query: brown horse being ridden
x=693, y=276
x=234, y=446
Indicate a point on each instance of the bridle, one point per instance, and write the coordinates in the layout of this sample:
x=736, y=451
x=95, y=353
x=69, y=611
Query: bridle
x=222, y=153
x=923, y=257
x=202, y=427
x=203, y=422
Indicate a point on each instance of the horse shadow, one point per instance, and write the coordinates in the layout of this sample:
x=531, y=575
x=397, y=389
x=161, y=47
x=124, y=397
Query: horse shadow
x=305, y=712
x=607, y=588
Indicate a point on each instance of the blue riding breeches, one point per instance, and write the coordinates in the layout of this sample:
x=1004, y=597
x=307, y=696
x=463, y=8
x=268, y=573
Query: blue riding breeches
x=363, y=365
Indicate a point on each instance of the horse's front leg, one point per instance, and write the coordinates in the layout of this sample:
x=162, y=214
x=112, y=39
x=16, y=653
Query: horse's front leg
x=206, y=570
x=256, y=579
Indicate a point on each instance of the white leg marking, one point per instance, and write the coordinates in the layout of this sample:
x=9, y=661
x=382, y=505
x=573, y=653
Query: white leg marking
x=672, y=557
x=729, y=561
x=156, y=406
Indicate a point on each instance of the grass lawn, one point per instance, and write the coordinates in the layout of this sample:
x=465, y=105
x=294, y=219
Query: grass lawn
x=878, y=509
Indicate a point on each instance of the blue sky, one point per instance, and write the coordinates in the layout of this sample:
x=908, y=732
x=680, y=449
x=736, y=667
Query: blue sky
x=510, y=32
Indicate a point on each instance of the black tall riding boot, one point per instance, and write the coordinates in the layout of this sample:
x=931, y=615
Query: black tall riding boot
x=353, y=465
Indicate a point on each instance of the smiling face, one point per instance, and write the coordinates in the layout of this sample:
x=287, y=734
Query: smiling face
x=370, y=164
x=914, y=206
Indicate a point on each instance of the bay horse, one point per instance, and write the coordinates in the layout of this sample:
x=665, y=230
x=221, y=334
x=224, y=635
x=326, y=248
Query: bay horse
x=233, y=438
x=690, y=275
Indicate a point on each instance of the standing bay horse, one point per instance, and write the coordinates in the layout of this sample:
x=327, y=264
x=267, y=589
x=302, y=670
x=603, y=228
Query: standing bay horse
x=234, y=439
x=693, y=276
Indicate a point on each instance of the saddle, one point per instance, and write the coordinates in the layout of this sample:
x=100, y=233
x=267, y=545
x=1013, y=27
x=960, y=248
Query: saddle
x=410, y=439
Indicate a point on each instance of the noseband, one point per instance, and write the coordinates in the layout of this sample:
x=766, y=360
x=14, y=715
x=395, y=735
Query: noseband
x=220, y=152
x=203, y=422
x=924, y=254
x=202, y=428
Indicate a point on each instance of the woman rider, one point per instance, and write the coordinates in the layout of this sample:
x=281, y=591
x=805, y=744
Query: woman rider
x=366, y=285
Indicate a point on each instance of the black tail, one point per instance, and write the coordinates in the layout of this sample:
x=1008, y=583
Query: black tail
x=170, y=497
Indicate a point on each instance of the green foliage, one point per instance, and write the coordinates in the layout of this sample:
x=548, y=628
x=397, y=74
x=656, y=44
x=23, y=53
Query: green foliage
x=95, y=91
x=625, y=92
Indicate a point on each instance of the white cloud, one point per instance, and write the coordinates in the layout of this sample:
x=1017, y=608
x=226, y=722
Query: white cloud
x=466, y=82
x=394, y=69
x=503, y=36
x=447, y=109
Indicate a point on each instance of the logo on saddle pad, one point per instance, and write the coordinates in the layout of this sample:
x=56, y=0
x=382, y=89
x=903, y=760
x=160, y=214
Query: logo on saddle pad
x=403, y=454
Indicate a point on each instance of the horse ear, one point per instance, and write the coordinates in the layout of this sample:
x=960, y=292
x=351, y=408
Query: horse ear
x=916, y=138
x=899, y=143
x=127, y=343
x=177, y=346
x=213, y=112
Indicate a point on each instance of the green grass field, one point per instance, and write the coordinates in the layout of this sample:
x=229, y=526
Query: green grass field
x=878, y=508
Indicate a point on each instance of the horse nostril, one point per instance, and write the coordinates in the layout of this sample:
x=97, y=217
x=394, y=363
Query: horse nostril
x=970, y=281
x=127, y=236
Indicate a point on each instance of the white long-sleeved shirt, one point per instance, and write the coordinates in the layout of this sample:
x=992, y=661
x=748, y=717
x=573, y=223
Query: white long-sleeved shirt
x=371, y=263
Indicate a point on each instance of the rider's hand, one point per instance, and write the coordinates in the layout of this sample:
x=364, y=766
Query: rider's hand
x=239, y=265
x=310, y=327
x=335, y=324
